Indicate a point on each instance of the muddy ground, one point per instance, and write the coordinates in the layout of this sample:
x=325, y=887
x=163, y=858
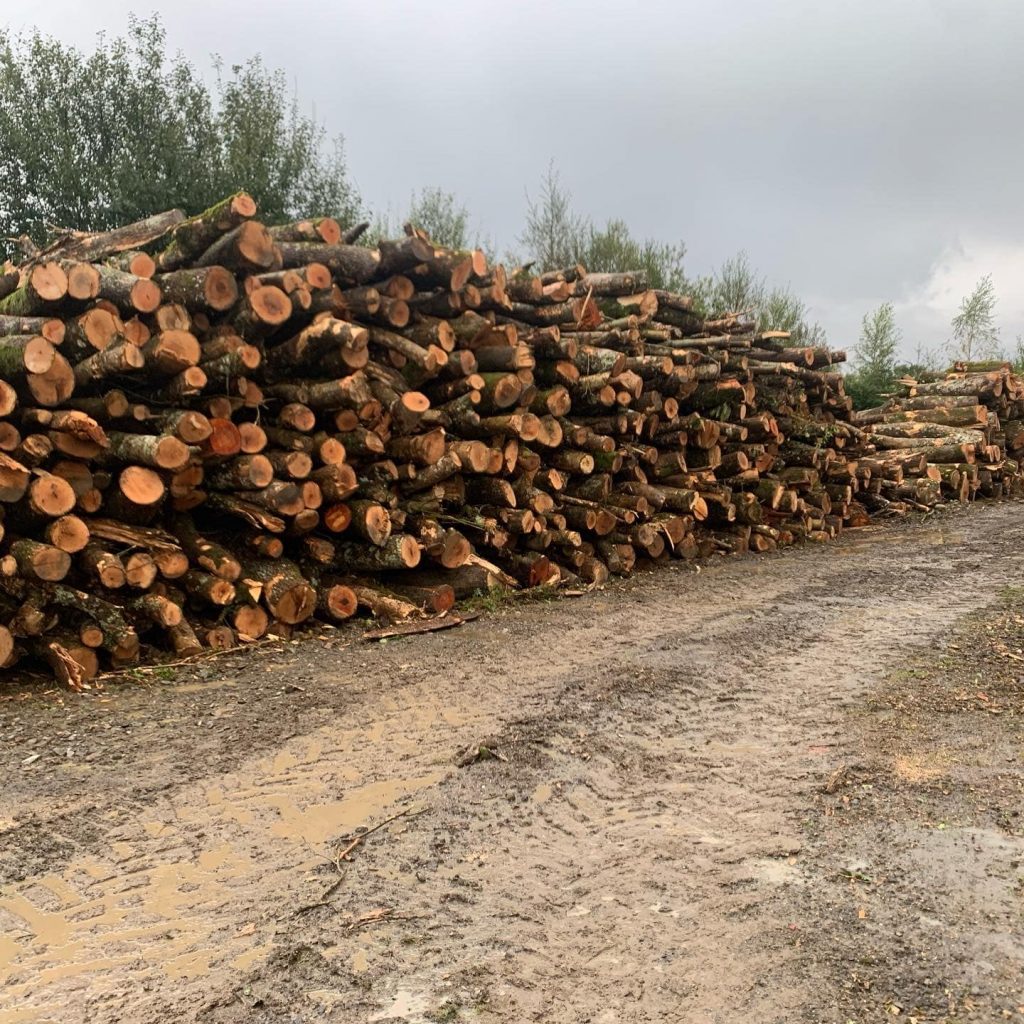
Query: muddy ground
x=779, y=789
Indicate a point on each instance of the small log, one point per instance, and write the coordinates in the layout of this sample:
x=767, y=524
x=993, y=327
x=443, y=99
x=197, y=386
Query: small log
x=211, y=289
x=286, y=592
x=208, y=588
x=104, y=566
x=126, y=291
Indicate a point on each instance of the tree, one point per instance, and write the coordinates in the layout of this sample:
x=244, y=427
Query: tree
x=556, y=236
x=781, y=310
x=90, y=141
x=874, y=358
x=439, y=214
x=975, y=334
x=613, y=248
x=738, y=289
x=734, y=288
x=553, y=236
x=1017, y=359
x=278, y=154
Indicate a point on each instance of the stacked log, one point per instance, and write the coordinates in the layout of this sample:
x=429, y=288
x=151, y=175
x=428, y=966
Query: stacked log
x=956, y=438
x=212, y=430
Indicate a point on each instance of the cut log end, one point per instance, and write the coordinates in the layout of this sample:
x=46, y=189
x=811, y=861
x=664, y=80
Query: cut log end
x=141, y=485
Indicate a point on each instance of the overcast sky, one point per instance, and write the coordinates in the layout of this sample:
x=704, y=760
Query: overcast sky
x=859, y=152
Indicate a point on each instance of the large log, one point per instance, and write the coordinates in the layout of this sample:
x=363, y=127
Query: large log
x=44, y=286
x=95, y=246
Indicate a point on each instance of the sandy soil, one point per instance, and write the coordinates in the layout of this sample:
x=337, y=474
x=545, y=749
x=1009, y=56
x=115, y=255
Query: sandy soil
x=780, y=789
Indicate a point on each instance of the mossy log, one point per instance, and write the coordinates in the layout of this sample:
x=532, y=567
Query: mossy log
x=192, y=237
x=287, y=594
x=45, y=285
x=400, y=552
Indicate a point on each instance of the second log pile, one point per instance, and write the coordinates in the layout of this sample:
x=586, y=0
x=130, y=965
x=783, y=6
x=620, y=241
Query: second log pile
x=210, y=429
x=953, y=439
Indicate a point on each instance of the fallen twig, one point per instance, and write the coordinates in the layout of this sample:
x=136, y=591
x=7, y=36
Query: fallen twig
x=343, y=858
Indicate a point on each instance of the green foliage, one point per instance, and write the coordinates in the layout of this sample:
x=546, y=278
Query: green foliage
x=275, y=152
x=1016, y=360
x=975, y=334
x=781, y=310
x=90, y=141
x=613, y=248
x=874, y=358
x=556, y=236
x=381, y=226
x=926, y=365
x=553, y=235
x=733, y=288
x=737, y=288
x=443, y=218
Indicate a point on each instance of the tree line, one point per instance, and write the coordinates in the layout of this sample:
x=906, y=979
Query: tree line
x=92, y=140
x=974, y=339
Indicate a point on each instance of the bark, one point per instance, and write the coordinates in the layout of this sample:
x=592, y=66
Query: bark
x=119, y=636
x=128, y=292
x=261, y=311
x=45, y=285
x=40, y=561
x=210, y=289
x=397, y=257
x=190, y=238
x=21, y=354
x=207, y=554
x=159, y=451
x=317, y=229
x=350, y=264
x=133, y=261
x=336, y=482
x=51, y=328
x=400, y=552
x=285, y=591
x=981, y=384
x=117, y=359
x=310, y=345
x=9, y=281
x=103, y=565
x=381, y=603
x=91, y=332
x=248, y=247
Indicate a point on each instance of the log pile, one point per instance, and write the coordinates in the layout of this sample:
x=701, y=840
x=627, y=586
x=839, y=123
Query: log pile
x=953, y=439
x=212, y=429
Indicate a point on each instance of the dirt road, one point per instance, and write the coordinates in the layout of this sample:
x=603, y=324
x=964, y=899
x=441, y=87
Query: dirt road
x=781, y=789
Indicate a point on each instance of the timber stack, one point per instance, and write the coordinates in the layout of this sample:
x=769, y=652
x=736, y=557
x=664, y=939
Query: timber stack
x=951, y=439
x=212, y=429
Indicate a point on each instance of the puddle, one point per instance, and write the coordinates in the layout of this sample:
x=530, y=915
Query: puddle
x=775, y=872
x=201, y=687
x=405, y=1005
x=166, y=901
x=866, y=536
